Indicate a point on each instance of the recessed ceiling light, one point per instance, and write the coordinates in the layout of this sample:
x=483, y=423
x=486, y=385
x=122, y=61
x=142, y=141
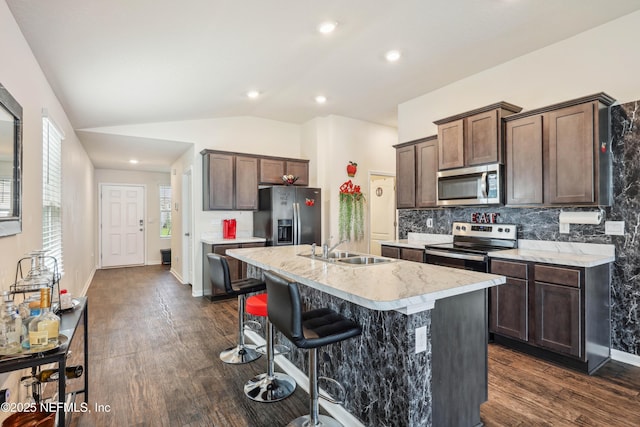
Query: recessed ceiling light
x=327, y=27
x=321, y=99
x=393, y=55
x=253, y=94
x=133, y=161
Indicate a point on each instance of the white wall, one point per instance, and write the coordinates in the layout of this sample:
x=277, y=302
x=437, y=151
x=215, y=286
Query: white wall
x=23, y=78
x=603, y=59
x=151, y=181
x=336, y=140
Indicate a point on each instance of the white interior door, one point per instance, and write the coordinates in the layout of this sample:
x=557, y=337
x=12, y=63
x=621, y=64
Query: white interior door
x=122, y=225
x=187, y=229
x=382, y=203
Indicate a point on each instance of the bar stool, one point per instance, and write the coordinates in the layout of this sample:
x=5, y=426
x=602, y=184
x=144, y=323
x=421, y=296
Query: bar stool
x=308, y=330
x=221, y=279
x=270, y=386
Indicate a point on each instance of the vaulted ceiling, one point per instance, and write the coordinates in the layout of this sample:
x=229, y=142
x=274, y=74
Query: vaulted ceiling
x=140, y=61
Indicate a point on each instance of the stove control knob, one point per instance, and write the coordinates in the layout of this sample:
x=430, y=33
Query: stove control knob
x=457, y=227
x=499, y=229
x=506, y=230
x=464, y=228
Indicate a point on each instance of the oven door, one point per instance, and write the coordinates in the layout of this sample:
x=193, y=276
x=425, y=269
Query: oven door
x=461, y=260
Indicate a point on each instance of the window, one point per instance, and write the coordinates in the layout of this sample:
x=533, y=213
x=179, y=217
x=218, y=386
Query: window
x=6, y=194
x=52, y=191
x=165, y=211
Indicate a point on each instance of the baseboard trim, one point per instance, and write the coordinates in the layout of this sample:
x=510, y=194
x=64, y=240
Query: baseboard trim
x=624, y=357
x=88, y=282
x=177, y=276
x=336, y=411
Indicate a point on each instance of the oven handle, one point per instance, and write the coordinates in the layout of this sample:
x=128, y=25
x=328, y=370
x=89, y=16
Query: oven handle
x=456, y=255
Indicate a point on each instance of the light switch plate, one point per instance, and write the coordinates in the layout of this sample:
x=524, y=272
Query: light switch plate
x=614, y=228
x=421, y=339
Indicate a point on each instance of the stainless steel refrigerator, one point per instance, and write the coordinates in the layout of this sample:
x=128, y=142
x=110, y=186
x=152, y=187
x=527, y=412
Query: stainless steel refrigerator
x=288, y=215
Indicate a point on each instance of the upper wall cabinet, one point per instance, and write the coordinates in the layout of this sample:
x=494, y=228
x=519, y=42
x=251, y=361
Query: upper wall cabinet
x=230, y=181
x=473, y=138
x=416, y=170
x=273, y=168
x=559, y=155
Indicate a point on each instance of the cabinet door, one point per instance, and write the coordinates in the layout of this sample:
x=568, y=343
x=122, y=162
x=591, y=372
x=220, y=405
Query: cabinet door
x=246, y=188
x=509, y=309
x=271, y=171
x=220, y=182
x=299, y=169
x=406, y=177
x=570, y=168
x=451, y=145
x=427, y=170
x=481, y=142
x=558, y=319
x=390, y=251
x=408, y=254
x=524, y=161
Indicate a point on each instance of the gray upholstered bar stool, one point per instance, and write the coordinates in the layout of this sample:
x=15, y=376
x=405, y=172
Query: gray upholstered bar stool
x=221, y=279
x=309, y=330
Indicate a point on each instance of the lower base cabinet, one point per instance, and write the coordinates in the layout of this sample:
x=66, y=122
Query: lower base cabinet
x=559, y=313
x=407, y=254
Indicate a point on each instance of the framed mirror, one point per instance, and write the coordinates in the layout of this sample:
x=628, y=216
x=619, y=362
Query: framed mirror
x=10, y=164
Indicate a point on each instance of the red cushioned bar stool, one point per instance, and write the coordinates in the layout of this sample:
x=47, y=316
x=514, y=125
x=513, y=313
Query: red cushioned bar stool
x=270, y=386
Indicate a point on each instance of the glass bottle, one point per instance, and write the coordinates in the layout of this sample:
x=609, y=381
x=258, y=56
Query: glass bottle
x=43, y=330
x=70, y=372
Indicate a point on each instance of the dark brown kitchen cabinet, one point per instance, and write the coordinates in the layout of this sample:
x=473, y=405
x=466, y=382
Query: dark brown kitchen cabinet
x=416, y=171
x=509, y=313
x=559, y=155
x=566, y=309
x=230, y=181
x=473, y=138
x=398, y=252
x=572, y=151
x=272, y=169
x=523, y=163
x=406, y=176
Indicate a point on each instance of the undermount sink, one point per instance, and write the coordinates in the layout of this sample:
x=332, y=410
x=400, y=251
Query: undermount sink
x=342, y=254
x=363, y=260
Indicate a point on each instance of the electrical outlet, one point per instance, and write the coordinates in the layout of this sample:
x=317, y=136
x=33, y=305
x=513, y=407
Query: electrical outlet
x=614, y=228
x=564, y=227
x=430, y=222
x=421, y=339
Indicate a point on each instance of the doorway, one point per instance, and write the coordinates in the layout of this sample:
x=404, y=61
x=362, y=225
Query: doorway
x=122, y=226
x=382, y=210
x=187, y=232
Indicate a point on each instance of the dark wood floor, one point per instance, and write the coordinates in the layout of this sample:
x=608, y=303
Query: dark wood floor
x=154, y=360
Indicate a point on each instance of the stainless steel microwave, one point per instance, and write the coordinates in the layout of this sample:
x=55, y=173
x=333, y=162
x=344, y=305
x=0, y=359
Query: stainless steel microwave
x=478, y=185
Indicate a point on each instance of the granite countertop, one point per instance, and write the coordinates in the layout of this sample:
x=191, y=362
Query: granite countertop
x=418, y=240
x=218, y=240
x=560, y=253
x=404, y=286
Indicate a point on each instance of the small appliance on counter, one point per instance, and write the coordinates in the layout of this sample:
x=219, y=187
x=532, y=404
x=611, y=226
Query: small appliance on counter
x=288, y=215
x=229, y=228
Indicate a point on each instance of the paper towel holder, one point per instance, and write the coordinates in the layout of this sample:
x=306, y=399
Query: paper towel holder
x=566, y=218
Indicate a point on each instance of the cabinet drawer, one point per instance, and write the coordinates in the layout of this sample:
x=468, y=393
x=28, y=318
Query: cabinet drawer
x=222, y=249
x=416, y=255
x=557, y=275
x=390, y=251
x=508, y=268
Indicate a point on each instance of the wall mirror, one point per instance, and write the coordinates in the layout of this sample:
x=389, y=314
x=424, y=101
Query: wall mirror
x=10, y=164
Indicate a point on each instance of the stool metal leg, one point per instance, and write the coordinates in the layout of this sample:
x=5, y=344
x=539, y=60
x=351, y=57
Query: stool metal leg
x=240, y=353
x=314, y=418
x=271, y=386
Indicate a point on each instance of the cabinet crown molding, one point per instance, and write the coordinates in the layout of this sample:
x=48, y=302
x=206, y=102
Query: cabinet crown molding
x=415, y=141
x=498, y=105
x=601, y=97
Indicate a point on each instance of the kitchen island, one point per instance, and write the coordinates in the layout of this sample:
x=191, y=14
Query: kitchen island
x=422, y=357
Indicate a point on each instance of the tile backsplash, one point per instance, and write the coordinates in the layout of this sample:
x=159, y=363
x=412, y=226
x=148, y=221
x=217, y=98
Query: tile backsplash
x=543, y=224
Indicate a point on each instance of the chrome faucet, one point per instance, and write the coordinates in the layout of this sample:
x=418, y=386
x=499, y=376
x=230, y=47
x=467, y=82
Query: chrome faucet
x=326, y=250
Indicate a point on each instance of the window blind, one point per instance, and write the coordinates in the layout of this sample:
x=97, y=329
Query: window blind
x=52, y=192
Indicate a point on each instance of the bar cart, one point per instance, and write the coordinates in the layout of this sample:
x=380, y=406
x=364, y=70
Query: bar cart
x=41, y=275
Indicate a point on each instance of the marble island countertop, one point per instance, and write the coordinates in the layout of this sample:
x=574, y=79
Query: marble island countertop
x=404, y=286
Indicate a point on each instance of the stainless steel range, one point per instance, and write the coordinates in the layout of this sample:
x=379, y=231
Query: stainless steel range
x=471, y=244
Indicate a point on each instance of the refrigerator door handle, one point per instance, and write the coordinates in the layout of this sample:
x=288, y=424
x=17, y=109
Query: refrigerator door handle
x=296, y=221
